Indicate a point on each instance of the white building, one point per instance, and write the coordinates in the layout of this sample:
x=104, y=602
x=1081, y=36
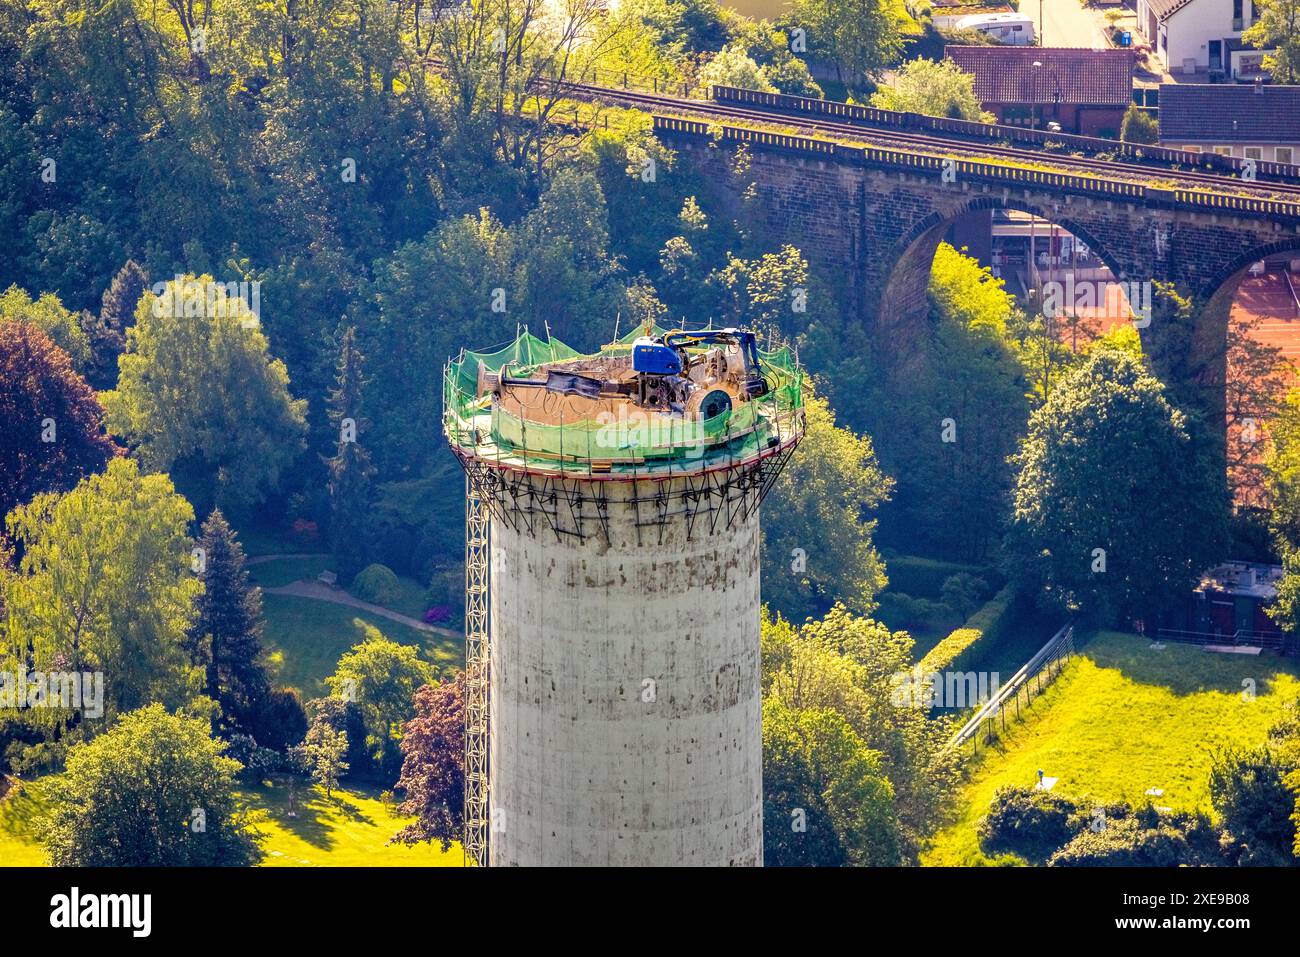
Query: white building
x=1201, y=36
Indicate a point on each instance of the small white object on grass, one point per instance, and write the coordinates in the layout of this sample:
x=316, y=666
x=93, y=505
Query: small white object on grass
x=1154, y=792
x=1157, y=646
x=1046, y=784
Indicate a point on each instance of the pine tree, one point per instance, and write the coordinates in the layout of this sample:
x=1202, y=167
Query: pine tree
x=226, y=638
x=350, y=469
x=107, y=331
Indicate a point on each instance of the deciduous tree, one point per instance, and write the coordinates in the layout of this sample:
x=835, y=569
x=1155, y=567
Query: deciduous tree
x=53, y=433
x=433, y=764
x=105, y=584
x=155, y=791
x=1108, y=445
x=199, y=396
x=381, y=676
x=817, y=546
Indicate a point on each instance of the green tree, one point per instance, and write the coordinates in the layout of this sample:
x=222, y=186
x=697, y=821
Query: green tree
x=1277, y=28
x=106, y=331
x=53, y=434
x=1138, y=126
x=853, y=667
x=1105, y=446
x=817, y=546
x=381, y=677
x=154, y=791
x=1249, y=793
x=826, y=801
x=322, y=752
x=48, y=315
x=226, y=637
x=1282, y=472
x=732, y=66
x=199, y=396
x=859, y=36
x=105, y=584
x=350, y=469
x=946, y=434
x=933, y=89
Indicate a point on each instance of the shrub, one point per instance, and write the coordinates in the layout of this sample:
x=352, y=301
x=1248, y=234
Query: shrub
x=280, y=721
x=1125, y=843
x=901, y=611
x=258, y=761
x=1138, y=126
x=1027, y=822
x=376, y=584
x=963, y=593
x=980, y=630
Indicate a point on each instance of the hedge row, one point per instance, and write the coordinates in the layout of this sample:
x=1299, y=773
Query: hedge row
x=924, y=577
x=981, y=629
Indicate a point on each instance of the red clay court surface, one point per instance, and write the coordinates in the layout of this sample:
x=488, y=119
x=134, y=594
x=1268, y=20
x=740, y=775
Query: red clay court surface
x=1269, y=301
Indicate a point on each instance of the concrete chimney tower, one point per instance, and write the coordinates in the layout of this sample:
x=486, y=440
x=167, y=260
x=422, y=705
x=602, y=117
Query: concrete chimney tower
x=613, y=601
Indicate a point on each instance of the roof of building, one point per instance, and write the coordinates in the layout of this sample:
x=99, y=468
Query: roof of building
x=1164, y=8
x=1075, y=77
x=1243, y=578
x=1229, y=113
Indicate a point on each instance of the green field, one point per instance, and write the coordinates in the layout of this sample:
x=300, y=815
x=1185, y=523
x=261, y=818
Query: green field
x=305, y=639
x=285, y=571
x=1123, y=718
x=349, y=829
x=18, y=813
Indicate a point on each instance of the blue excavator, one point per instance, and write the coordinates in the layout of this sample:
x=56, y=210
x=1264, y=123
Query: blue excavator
x=667, y=356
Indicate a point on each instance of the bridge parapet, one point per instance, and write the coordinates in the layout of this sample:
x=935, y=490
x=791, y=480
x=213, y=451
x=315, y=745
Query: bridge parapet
x=994, y=134
x=966, y=170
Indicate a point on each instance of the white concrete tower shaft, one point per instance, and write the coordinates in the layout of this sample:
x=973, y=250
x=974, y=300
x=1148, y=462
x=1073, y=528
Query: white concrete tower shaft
x=625, y=685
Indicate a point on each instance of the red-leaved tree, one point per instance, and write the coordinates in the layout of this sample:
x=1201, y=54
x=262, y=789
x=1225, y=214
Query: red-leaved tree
x=433, y=764
x=52, y=434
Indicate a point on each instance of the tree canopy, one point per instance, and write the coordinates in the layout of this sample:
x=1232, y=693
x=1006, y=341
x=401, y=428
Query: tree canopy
x=157, y=790
x=199, y=396
x=105, y=584
x=1106, y=446
x=54, y=434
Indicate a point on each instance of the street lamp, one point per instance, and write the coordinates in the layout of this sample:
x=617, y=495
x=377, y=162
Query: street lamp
x=1033, y=107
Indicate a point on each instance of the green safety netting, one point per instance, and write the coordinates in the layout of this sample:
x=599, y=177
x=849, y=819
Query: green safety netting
x=478, y=427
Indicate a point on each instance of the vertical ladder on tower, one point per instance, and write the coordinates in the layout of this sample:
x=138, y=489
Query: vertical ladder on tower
x=477, y=664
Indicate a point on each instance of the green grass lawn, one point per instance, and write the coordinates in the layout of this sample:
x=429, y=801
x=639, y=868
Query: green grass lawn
x=305, y=639
x=350, y=828
x=285, y=571
x=18, y=812
x=1120, y=719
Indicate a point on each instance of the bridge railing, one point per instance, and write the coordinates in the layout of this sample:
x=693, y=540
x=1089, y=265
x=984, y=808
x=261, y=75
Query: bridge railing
x=993, y=132
x=970, y=170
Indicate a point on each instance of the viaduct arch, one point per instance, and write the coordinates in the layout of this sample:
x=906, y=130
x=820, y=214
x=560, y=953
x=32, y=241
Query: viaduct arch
x=869, y=219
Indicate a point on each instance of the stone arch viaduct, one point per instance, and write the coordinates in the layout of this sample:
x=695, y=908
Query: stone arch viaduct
x=869, y=219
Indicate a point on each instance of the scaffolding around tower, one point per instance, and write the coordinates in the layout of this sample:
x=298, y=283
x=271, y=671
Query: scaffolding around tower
x=478, y=659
